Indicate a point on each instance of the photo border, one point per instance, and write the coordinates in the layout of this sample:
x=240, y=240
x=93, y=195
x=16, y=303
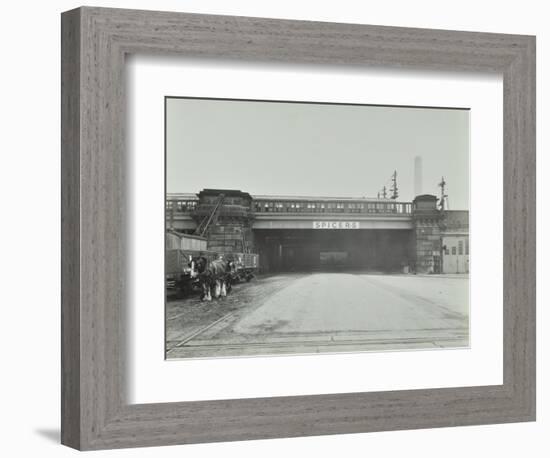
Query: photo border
x=95, y=412
x=300, y=102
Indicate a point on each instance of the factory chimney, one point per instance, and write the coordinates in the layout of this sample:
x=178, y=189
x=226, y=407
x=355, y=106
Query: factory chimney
x=417, y=175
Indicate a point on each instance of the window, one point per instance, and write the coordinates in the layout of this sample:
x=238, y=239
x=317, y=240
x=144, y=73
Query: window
x=453, y=250
x=460, y=247
x=467, y=246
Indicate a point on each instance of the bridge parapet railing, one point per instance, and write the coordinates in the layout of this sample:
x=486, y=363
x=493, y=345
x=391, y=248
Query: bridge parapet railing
x=322, y=207
x=225, y=210
x=193, y=207
x=181, y=205
x=190, y=206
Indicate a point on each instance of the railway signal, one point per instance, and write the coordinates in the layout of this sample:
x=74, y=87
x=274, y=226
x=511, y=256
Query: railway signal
x=394, y=189
x=443, y=195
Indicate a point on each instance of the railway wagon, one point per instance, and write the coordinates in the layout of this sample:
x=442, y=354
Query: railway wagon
x=245, y=266
x=178, y=272
x=181, y=248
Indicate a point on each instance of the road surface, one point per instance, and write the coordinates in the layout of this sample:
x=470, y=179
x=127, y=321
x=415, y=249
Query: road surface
x=323, y=312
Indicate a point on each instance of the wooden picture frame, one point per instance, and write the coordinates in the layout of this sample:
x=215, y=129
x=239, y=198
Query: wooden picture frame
x=95, y=412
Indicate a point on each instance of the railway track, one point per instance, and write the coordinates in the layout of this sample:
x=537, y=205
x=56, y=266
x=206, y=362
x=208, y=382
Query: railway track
x=200, y=331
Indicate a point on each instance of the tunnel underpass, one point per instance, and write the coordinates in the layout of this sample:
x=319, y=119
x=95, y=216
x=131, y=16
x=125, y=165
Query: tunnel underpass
x=292, y=250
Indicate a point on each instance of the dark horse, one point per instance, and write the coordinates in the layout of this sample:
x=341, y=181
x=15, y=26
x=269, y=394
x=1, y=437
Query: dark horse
x=212, y=275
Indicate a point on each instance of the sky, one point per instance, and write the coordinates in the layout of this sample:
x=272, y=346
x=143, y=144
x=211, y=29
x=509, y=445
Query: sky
x=289, y=148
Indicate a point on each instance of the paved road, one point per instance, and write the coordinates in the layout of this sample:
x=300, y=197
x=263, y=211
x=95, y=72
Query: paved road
x=327, y=312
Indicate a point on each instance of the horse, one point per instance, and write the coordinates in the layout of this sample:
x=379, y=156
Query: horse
x=211, y=275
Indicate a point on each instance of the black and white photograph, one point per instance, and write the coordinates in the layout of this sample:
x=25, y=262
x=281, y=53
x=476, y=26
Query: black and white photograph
x=253, y=225
x=308, y=227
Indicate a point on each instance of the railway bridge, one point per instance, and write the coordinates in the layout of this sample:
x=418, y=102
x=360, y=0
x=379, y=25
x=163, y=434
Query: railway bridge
x=293, y=233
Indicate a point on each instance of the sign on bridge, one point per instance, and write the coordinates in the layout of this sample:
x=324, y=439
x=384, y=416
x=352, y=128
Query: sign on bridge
x=335, y=224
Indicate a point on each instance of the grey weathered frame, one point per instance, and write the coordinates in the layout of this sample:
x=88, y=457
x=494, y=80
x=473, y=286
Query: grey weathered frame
x=95, y=414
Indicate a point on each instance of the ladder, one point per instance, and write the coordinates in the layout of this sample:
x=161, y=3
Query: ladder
x=210, y=218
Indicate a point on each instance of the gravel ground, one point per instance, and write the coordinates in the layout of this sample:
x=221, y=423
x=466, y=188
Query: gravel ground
x=185, y=317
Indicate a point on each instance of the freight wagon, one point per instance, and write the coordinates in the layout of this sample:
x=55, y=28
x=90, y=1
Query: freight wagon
x=181, y=248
